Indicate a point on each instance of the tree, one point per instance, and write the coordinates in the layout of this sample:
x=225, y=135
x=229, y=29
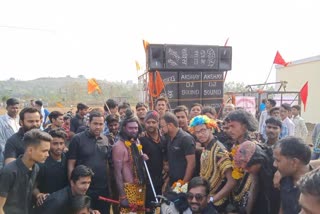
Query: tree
x=4, y=99
x=235, y=87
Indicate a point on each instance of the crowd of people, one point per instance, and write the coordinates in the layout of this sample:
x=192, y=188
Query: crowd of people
x=128, y=159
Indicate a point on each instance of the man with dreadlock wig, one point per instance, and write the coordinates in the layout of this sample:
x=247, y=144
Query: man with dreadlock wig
x=215, y=163
x=128, y=166
x=238, y=126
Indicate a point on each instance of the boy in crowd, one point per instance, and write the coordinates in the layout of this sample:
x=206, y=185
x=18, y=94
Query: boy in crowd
x=61, y=201
x=56, y=121
x=53, y=174
x=17, y=178
x=309, y=186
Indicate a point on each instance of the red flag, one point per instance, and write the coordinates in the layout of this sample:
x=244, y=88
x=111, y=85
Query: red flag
x=225, y=44
x=279, y=60
x=304, y=95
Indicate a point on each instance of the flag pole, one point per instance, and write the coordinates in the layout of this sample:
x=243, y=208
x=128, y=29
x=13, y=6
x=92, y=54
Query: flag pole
x=150, y=180
x=267, y=77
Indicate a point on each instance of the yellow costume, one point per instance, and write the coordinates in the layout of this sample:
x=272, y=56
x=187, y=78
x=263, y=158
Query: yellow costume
x=215, y=161
x=136, y=196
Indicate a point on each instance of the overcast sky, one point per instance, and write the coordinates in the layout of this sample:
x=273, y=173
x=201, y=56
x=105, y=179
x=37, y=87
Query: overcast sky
x=102, y=39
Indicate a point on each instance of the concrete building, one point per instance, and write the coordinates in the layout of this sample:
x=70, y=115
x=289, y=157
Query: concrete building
x=297, y=73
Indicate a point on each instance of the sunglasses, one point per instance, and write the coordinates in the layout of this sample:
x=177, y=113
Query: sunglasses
x=199, y=197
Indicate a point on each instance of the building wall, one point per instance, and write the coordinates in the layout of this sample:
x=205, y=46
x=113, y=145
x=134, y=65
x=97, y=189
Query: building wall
x=297, y=74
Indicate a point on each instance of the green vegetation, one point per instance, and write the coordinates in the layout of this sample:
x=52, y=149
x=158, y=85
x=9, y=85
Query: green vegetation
x=67, y=90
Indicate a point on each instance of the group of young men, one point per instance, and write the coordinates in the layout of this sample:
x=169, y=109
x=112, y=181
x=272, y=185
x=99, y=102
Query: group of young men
x=118, y=158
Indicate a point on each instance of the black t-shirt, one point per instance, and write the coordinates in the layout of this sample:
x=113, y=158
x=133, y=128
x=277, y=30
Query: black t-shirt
x=182, y=145
x=210, y=209
x=268, y=197
x=93, y=153
x=289, y=194
x=14, y=146
x=47, y=129
x=75, y=123
x=53, y=175
x=16, y=185
x=57, y=202
x=198, y=157
x=156, y=153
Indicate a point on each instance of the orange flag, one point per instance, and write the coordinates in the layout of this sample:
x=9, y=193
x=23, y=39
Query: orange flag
x=159, y=83
x=93, y=86
x=155, y=85
x=145, y=45
x=138, y=66
x=304, y=95
x=59, y=104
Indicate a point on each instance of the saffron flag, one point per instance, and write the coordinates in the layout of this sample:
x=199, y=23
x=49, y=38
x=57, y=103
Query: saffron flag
x=279, y=60
x=145, y=45
x=138, y=66
x=59, y=104
x=304, y=95
x=156, y=84
x=93, y=86
x=159, y=83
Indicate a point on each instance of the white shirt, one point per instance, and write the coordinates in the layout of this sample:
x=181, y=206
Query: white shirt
x=290, y=126
x=300, y=129
x=13, y=122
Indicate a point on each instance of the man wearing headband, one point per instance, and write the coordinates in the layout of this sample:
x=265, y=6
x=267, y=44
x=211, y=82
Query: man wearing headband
x=215, y=166
x=257, y=159
x=153, y=146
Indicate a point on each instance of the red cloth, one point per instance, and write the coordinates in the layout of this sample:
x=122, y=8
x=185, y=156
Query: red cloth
x=304, y=95
x=279, y=60
x=225, y=44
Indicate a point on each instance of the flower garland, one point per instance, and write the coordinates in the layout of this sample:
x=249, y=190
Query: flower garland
x=237, y=172
x=179, y=186
x=128, y=144
x=139, y=146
